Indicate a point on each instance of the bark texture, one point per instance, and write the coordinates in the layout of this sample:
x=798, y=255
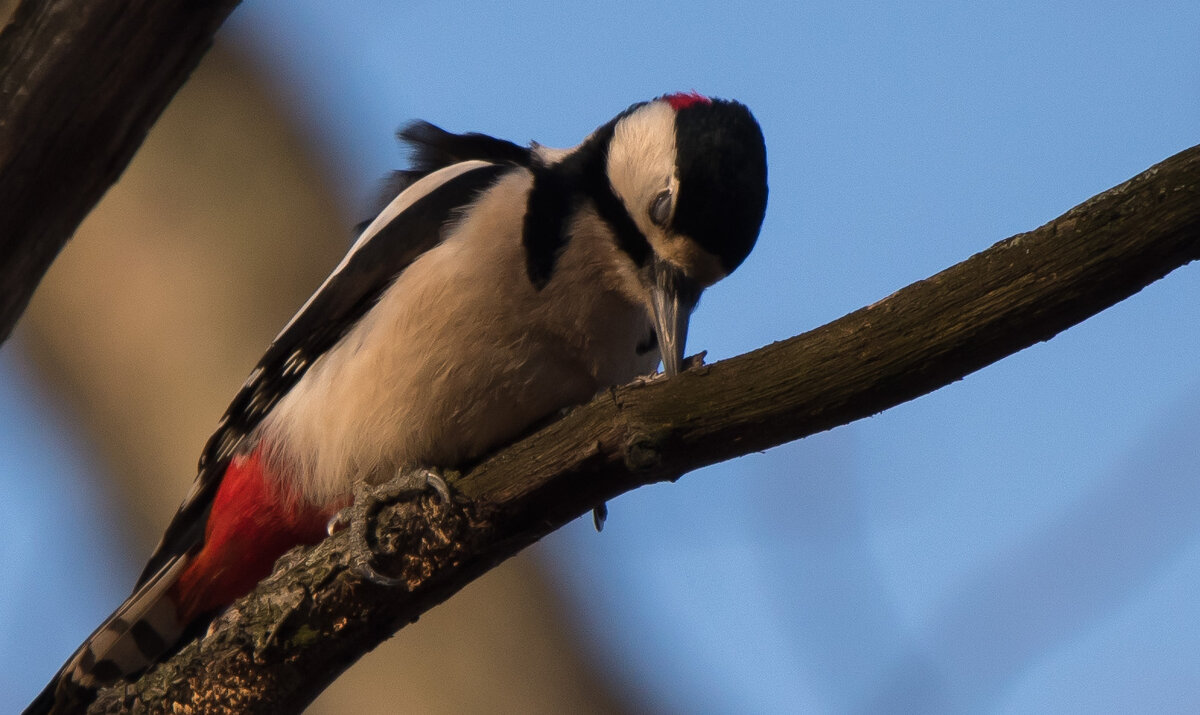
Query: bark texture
x=81, y=81
x=278, y=647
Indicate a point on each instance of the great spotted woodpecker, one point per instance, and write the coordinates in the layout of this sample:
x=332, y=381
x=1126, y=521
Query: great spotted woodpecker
x=501, y=284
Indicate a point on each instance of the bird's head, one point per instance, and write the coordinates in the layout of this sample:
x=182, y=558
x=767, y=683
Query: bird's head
x=691, y=173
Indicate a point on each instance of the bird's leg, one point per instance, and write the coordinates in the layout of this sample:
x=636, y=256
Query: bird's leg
x=369, y=500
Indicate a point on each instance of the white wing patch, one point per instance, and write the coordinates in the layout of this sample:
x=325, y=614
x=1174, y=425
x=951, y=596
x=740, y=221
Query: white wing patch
x=419, y=190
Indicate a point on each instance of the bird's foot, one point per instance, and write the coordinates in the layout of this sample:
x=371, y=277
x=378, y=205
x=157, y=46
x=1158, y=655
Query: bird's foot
x=694, y=361
x=368, y=501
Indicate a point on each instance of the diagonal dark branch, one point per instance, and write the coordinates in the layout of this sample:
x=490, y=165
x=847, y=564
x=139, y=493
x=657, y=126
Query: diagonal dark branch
x=81, y=81
x=276, y=649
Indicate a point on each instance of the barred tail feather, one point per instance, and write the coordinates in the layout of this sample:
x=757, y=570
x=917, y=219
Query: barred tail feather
x=144, y=627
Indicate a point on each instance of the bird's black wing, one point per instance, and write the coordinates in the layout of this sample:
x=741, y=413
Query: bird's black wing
x=431, y=148
x=380, y=254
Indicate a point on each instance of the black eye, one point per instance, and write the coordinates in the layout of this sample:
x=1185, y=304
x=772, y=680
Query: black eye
x=660, y=208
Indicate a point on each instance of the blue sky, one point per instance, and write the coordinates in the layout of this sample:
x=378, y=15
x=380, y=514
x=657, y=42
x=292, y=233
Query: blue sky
x=1023, y=540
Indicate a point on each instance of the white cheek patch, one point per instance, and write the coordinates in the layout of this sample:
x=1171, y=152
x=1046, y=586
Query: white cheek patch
x=641, y=161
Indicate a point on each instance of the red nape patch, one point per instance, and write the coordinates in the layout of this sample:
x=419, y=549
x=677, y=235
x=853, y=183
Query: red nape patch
x=254, y=519
x=682, y=100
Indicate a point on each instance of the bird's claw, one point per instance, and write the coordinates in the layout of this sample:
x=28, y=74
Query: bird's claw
x=694, y=361
x=368, y=501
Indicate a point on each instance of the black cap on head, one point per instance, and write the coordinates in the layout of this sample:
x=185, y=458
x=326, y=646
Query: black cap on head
x=722, y=163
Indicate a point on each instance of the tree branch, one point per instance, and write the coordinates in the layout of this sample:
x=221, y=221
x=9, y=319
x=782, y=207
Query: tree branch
x=81, y=81
x=276, y=649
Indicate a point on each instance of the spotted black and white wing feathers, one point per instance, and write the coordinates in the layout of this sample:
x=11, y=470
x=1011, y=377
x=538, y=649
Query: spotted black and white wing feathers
x=387, y=246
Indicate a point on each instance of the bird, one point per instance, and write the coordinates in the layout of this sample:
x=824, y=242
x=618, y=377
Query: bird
x=500, y=285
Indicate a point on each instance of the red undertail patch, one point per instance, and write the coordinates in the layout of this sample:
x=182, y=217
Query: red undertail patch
x=254, y=520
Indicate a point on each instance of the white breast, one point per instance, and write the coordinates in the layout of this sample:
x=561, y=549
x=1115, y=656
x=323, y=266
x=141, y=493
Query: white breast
x=462, y=354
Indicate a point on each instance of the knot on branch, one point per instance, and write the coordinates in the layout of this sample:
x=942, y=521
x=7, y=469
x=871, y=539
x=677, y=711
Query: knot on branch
x=415, y=539
x=641, y=453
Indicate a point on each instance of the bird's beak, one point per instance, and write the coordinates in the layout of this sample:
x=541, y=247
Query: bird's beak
x=673, y=296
